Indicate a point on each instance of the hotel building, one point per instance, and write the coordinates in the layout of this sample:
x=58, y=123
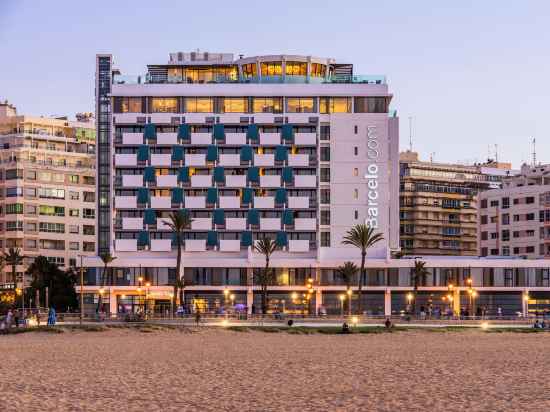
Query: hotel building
x=296, y=148
x=47, y=189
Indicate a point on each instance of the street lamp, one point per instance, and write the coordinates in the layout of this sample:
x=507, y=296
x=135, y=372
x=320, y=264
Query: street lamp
x=409, y=300
x=232, y=299
x=147, y=286
x=349, y=293
x=342, y=299
x=171, y=295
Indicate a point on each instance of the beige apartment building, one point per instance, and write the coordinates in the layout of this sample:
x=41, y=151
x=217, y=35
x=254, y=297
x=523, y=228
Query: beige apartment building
x=47, y=188
x=438, y=204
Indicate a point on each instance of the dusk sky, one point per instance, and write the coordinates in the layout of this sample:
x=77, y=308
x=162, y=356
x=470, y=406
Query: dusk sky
x=472, y=74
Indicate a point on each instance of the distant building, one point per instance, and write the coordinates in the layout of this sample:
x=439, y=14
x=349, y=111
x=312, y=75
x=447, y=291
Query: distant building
x=515, y=220
x=47, y=189
x=438, y=204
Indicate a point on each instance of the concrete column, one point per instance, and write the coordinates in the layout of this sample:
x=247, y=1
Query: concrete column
x=456, y=301
x=318, y=300
x=249, y=300
x=113, y=307
x=387, y=303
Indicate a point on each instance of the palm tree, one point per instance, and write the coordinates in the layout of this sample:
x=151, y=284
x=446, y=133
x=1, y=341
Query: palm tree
x=266, y=247
x=418, y=274
x=13, y=258
x=106, y=258
x=362, y=237
x=347, y=272
x=179, y=221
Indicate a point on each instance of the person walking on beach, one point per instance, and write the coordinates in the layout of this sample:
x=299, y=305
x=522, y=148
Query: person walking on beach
x=38, y=317
x=51, y=317
x=499, y=312
x=16, y=317
x=197, y=317
x=9, y=320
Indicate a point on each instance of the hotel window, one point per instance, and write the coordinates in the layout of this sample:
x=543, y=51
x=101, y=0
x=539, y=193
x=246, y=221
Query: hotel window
x=318, y=70
x=199, y=105
x=356, y=151
x=235, y=105
x=73, y=229
x=129, y=105
x=529, y=200
x=30, y=209
x=45, y=176
x=73, y=245
x=267, y=105
x=335, y=105
x=506, y=219
x=325, y=154
x=51, y=210
x=88, y=230
x=74, y=212
x=325, y=175
x=164, y=105
x=88, y=246
x=296, y=69
x=14, y=191
x=271, y=68
x=325, y=196
x=31, y=175
x=505, y=202
x=74, y=178
x=325, y=217
x=371, y=105
x=14, y=226
x=89, y=196
x=325, y=239
x=355, y=171
x=356, y=214
x=324, y=132
x=14, y=174
x=30, y=244
x=52, y=227
x=50, y=193
x=88, y=213
x=356, y=193
x=59, y=178
x=249, y=70
x=300, y=105
x=52, y=244
x=73, y=195
x=14, y=208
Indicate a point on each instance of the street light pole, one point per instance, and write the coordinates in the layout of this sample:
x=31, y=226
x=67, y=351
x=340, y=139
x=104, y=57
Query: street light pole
x=81, y=291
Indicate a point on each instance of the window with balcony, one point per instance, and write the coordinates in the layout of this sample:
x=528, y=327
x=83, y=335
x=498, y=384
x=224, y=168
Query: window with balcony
x=14, y=191
x=14, y=208
x=51, y=227
x=45, y=210
x=52, y=244
x=51, y=193
x=12, y=226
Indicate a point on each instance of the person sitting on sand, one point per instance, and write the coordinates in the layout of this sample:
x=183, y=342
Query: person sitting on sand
x=388, y=323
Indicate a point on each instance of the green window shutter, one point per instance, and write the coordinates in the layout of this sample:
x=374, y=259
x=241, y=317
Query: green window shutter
x=143, y=153
x=150, y=131
x=177, y=195
x=212, y=238
x=280, y=196
x=248, y=194
x=177, y=153
x=183, y=174
x=184, y=132
x=143, y=195
x=281, y=153
x=281, y=239
x=219, y=217
x=212, y=153
x=252, y=132
x=288, y=174
x=149, y=174
x=287, y=133
x=150, y=217
x=219, y=132
x=143, y=238
x=246, y=238
x=253, y=217
x=246, y=153
x=212, y=195
x=219, y=174
x=253, y=174
x=288, y=217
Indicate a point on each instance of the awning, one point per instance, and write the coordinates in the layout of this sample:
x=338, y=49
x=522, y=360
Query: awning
x=150, y=131
x=219, y=132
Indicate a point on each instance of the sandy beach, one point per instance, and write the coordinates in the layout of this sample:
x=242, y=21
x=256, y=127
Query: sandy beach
x=128, y=370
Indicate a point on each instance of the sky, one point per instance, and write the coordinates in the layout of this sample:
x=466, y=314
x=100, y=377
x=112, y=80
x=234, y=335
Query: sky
x=470, y=74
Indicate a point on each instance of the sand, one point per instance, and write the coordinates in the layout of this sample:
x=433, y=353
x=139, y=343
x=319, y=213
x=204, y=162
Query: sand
x=129, y=370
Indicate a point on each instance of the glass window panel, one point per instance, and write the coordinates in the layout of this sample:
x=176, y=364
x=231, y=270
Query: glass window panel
x=271, y=68
x=164, y=105
x=296, y=68
x=267, y=104
x=300, y=104
x=199, y=105
x=131, y=105
x=318, y=70
x=250, y=70
x=235, y=105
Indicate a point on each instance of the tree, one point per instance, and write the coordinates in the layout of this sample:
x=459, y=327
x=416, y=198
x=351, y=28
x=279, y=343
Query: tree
x=106, y=258
x=347, y=272
x=13, y=258
x=418, y=275
x=266, y=247
x=179, y=222
x=362, y=237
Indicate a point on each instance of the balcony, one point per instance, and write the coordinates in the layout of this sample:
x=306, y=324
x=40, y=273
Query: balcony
x=305, y=139
x=167, y=181
x=125, y=202
x=195, y=202
x=235, y=181
x=195, y=245
x=162, y=159
x=126, y=159
x=167, y=138
x=161, y=202
x=132, y=223
x=132, y=180
x=201, y=138
x=235, y=138
x=126, y=245
x=298, y=202
x=230, y=202
x=201, y=223
x=264, y=160
x=201, y=181
x=230, y=245
x=132, y=138
x=298, y=160
x=195, y=159
x=298, y=245
x=162, y=223
x=161, y=245
x=305, y=224
x=270, y=139
x=266, y=202
x=267, y=223
x=270, y=181
x=235, y=223
x=230, y=160
x=305, y=181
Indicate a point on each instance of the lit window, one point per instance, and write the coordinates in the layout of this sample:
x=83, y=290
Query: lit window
x=267, y=105
x=131, y=105
x=318, y=70
x=271, y=68
x=335, y=105
x=199, y=105
x=296, y=69
x=250, y=70
x=355, y=171
x=235, y=105
x=300, y=105
x=356, y=193
x=164, y=105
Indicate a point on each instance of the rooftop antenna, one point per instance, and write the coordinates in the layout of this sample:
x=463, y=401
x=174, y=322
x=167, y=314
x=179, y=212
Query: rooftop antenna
x=410, y=134
x=432, y=154
x=496, y=153
x=534, y=152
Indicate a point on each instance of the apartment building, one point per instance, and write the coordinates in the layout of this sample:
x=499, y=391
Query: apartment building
x=515, y=220
x=438, y=204
x=47, y=189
